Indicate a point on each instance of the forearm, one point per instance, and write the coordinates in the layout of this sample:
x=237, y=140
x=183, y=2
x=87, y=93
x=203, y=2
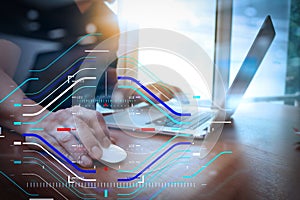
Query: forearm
x=9, y=112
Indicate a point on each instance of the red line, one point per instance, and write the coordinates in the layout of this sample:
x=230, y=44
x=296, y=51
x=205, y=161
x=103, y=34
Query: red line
x=63, y=129
x=73, y=129
x=147, y=129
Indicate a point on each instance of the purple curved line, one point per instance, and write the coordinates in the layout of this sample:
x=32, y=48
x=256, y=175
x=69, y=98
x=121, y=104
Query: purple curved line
x=153, y=95
x=148, y=166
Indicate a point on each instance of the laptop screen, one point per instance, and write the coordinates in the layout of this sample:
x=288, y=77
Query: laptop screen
x=250, y=65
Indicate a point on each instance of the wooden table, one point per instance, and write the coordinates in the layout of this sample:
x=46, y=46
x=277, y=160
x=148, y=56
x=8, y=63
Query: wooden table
x=264, y=164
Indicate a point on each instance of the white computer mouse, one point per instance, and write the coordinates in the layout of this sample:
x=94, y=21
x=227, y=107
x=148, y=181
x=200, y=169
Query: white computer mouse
x=113, y=154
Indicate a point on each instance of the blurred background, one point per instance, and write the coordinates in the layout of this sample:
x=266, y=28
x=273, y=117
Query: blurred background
x=44, y=26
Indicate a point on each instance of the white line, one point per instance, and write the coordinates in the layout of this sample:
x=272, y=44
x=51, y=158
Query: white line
x=96, y=51
x=2, y=136
x=221, y=122
x=34, y=151
x=61, y=94
x=161, y=92
x=196, y=154
x=34, y=174
x=17, y=143
x=35, y=144
x=56, y=88
x=142, y=181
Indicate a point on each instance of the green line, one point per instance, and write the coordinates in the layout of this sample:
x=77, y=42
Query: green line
x=56, y=59
x=196, y=97
x=75, y=62
x=17, y=105
x=34, y=195
x=156, y=151
x=64, y=183
x=17, y=123
x=58, y=105
x=145, y=97
x=19, y=86
x=207, y=164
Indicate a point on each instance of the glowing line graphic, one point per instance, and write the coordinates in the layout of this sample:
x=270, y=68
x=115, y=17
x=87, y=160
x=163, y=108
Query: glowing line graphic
x=159, y=157
x=158, y=82
x=44, y=164
x=61, y=94
x=169, y=165
x=69, y=188
x=207, y=164
x=155, y=152
x=57, y=160
x=33, y=174
x=59, y=77
x=57, y=88
x=149, y=100
x=60, y=56
x=58, y=152
x=144, y=69
x=164, y=161
x=58, y=105
x=153, y=95
x=33, y=195
x=141, y=189
x=19, y=86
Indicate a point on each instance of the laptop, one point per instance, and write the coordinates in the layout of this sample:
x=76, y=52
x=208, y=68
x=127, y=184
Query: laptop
x=151, y=120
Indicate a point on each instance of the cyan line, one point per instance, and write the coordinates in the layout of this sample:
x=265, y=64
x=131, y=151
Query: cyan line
x=144, y=69
x=159, y=157
x=153, y=95
x=68, y=70
x=207, y=164
x=19, y=86
x=156, y=106
x=156, y=174
x=143, y=188
x=60, y=56
x=156, y=151
x=33, y=195
x=58, y=105
x=33, y=162
x=36, y=129
x=58, y=152
x=57, y=175
x=158, y=192
x=165, y=160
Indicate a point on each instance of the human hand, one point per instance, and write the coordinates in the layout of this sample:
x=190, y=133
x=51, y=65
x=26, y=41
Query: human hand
x=163, y=91
x=91, y=133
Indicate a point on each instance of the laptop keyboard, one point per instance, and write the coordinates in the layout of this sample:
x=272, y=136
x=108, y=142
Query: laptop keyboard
x=195, y=120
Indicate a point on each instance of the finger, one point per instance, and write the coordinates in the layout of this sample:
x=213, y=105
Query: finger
x=88, y=139
x=160, y=90
x=49, y=139
x=67, y=140
x=96, y=122
x=72, y=146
